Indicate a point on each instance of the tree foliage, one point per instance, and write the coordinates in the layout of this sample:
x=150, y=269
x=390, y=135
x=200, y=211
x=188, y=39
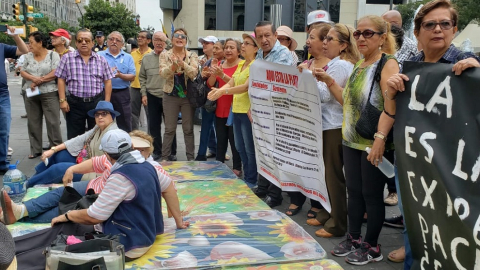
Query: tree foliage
x=468, y=10
x=101, y=16
x=45, y=25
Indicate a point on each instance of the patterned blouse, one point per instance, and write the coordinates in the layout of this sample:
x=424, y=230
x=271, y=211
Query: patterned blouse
x=354, y=100
x=42, y=68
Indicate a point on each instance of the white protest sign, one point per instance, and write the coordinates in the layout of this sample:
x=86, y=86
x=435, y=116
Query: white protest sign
x=287, y=129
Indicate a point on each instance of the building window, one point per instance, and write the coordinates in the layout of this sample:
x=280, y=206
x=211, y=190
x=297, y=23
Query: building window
x=238, y=15
x=210, y=14
x=266, y=9
x=299, y=21
x=334, y=10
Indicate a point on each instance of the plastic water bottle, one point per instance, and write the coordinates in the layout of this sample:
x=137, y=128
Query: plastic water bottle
x=385, y=166
x=14, y=183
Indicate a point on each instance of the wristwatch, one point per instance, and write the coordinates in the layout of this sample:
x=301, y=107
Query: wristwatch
x=54, y=148
x=62, y=100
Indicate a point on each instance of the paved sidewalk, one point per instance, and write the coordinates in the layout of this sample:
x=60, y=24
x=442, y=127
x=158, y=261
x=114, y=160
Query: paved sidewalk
x=390, y=238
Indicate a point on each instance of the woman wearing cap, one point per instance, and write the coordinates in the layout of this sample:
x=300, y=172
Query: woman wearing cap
x=221, y=75
x=285, y=37
x=242, y=125
x=76, y=150
x=177, y=66
x=44, y=208
x=319, y=60
x=38, y=71
x=340, y=46
x=61, y=41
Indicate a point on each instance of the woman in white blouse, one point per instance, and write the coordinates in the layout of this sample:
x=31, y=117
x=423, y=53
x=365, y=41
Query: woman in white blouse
x=340, y=46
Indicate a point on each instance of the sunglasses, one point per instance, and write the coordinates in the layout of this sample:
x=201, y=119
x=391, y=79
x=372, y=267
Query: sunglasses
x=330, y=38
x=102, y=114
x=366, y=34
x=81, y=40
x=444, y=25
x=177, y=35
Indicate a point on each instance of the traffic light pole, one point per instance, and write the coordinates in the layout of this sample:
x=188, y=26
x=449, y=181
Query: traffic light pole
x=25, y=19
x=79, y=9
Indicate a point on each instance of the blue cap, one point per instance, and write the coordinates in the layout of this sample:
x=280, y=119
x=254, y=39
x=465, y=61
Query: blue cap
x=12, y=166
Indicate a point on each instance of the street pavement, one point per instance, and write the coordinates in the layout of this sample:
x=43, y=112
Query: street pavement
x=390, y=238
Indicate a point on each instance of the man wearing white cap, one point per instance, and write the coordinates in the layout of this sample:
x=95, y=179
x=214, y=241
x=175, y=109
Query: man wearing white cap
x=285, y=37
x=315, y=17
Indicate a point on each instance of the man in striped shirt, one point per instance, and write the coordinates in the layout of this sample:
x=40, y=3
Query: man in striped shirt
x=119, y=208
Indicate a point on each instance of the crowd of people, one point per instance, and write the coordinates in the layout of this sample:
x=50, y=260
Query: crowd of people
x=100, y=89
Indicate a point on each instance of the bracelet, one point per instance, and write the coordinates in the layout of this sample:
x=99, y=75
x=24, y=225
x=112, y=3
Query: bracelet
x=66, y=215
x=54, y=148
x=386, y=95
x=382, y=133
x=380, y=136
x=332, y=83
x=389, y=115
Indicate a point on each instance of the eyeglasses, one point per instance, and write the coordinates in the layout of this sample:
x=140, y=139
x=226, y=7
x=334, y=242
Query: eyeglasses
x=247, y=43
x=444, y=25
x=158, y=40
x=330, y=38
x=102, y=114
x=366, y=34
x=177, y=35
x=115, y=39
x=283, y=39
x=81, y=40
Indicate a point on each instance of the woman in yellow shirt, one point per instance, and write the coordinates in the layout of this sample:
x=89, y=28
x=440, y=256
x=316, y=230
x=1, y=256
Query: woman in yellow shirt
x=242, y=125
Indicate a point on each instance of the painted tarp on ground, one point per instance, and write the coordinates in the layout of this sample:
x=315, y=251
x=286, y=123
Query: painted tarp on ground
x=324, y=264
x=197, y=170
x=229, y=239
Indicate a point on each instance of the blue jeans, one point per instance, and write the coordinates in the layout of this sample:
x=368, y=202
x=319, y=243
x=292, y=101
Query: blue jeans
x=207, y=134
x=58, y=163
x=44, y=208
x=407, y=264
x=242, y=130
x=5, y=119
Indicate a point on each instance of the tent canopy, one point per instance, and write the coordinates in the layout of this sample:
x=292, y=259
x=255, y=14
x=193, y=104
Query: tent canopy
x=472, y=32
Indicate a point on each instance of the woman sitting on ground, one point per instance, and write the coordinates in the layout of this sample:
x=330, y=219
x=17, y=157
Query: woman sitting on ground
x=58, y=159
x=44, y=208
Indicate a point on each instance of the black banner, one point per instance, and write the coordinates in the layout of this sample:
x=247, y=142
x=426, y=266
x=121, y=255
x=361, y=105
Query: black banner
x=437, y=143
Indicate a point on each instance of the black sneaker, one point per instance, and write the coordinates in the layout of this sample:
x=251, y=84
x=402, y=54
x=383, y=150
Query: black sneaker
x=347, y=246
x=172, y=158
x=395, y=221
x=364, y=255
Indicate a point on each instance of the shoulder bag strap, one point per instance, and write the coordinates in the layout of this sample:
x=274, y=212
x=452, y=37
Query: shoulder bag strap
x=377, y=76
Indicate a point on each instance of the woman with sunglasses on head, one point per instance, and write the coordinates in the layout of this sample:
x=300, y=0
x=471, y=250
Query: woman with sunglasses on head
x=340, y=46
x=58, y=159
x=319, y=60
x=177, y=66
x=242, y=123
x=365, y=183
x=434, y=28
x=221, y=74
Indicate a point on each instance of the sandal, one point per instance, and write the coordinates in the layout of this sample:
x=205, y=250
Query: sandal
x=293, y=212
x=312, y=214
x=34, y=155
x=313, y=222
x=397, y=255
